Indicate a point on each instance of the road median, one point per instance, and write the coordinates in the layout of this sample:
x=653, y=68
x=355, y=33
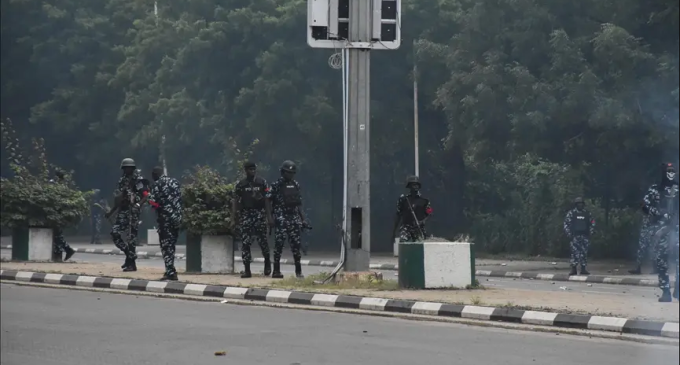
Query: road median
x=571, y=310
x=545, y=275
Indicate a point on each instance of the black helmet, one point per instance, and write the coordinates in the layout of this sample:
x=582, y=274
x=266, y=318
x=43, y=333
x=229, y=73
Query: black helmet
x=412, y=180
x=288, y=166
x=127, y=162
x=579, y=200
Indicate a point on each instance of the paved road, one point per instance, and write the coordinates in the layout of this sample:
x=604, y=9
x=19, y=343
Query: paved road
x=56, y=326
x=622, y=290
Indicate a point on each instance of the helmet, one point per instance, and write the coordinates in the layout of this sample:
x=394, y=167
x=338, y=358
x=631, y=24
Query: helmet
x=579, y=200
x=412, y=180
x=127, y=162
x=288, y=166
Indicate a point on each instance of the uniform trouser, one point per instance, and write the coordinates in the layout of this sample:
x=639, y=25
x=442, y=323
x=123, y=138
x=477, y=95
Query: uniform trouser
x=579, y=250
x=288, y=227
x=666, y=244
x=126, y=226
x=411, y=232
x=167, y=235
x=253, y=225
x=59, y=244
x=96, y=228
x=646, y=232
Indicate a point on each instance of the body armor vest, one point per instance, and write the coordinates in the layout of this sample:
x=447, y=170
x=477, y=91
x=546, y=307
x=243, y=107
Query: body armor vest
x=252, y=193
x=580, y=224
x=290, y=194
x=415, y=205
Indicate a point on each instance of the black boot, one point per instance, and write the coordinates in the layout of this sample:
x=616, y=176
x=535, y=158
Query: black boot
x=172, y=277
x=298, y=270
x=584, y=271
x=69, y=253
x=246, y=273
x=131, y=266
x=573, y=271
x=666, y=296
x=267, y=266
x=636, y=271
x=125, y=264
x=277, y=270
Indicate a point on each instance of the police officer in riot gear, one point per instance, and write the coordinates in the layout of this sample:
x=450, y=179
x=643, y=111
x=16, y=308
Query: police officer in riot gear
x=289, y=218
x=132, y=192
x=59, y=244
x=251, y=210
x=579, y=226
x=661, y=201
x=412, y=212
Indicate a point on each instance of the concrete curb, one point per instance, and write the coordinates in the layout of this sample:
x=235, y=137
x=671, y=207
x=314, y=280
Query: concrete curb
x=584, y=322
x=595, y=279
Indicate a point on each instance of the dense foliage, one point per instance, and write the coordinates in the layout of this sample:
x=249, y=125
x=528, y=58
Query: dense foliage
x=30, y=198
x=524, y=104
x=206, y=198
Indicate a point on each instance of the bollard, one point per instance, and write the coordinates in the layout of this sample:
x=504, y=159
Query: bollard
x=436, y=265
x=210, y=254
x=32, y=244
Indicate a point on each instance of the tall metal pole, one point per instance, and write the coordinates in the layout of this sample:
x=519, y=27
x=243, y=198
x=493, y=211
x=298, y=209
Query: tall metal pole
x=415, y=110
x=162, y=144
x=358, y=139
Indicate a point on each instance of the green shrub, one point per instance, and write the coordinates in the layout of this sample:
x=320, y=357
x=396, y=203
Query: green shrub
x=206, y=199
x=30, y=198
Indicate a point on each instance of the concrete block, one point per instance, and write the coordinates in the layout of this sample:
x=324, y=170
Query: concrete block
x=436, y=265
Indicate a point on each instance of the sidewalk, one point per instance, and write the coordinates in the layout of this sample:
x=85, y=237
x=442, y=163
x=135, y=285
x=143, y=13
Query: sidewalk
x=598, y=304
x=601, y=273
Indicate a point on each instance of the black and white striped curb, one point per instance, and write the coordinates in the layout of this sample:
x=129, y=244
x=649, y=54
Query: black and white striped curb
x=611, y=324
x=594, y=279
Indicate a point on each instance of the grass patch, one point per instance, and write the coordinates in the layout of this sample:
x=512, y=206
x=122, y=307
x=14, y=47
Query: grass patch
x=308, y=282
x=475, y=286
x=476, y=300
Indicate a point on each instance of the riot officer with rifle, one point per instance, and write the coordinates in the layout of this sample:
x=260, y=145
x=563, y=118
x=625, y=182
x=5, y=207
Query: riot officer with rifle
x=412, y=212
x=661, y=201
x=131, y=194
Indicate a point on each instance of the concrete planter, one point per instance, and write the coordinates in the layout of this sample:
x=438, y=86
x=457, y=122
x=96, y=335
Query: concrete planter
x=212, y=254
x=152, y=237
x=436, y=265
x=32, y=244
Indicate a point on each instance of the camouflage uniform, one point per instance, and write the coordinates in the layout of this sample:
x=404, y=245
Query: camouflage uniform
x=166, y=199
x=579, y=226
x=59, y=244
x=411, y=230
x=252, y=216
x=286, y=219
x=96, y=214
x=126, y=223
x=662, y=204
x=646, y=232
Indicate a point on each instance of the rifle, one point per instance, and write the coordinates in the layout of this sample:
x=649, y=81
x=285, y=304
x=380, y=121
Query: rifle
x=415, y=219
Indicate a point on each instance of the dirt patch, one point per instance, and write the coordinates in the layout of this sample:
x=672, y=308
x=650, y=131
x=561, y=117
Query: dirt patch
x=563, y=302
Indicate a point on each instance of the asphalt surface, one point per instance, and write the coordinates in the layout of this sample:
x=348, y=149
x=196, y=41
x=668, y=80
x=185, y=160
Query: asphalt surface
x=55, y=326
x=501, y=283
